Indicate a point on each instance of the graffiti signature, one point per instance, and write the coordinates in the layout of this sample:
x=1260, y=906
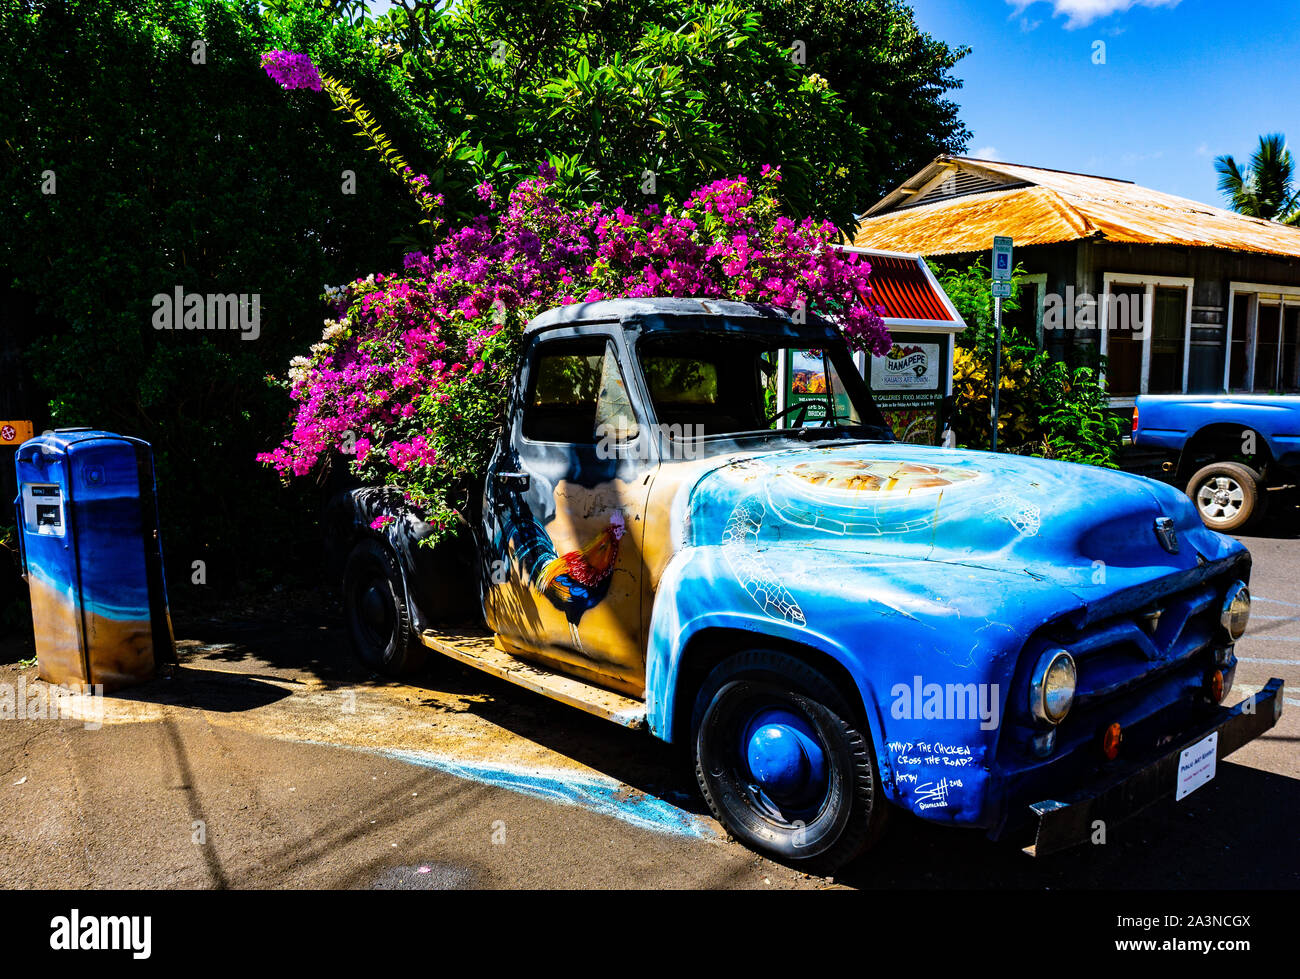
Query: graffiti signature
x=934, y=795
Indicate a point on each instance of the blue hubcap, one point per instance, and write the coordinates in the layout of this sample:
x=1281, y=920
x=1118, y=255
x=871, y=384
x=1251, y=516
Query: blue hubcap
x=785, y=757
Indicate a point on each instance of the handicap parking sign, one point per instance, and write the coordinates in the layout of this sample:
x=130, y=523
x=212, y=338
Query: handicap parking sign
x=1001, y=257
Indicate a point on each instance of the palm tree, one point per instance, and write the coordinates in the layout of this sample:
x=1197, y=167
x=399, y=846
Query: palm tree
x=1266, y=188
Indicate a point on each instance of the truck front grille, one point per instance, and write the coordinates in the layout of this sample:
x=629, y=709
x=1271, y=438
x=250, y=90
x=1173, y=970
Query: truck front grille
x=1144, y=668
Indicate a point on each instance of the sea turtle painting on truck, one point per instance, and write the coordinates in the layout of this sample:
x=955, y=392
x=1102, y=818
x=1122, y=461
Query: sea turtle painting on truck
x=835, y=624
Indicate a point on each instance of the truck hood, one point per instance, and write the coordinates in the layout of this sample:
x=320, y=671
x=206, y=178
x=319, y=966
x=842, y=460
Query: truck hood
x=1085, y=529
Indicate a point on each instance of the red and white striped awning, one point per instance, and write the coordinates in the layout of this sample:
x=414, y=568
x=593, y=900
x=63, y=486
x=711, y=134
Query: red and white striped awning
x=910, y=294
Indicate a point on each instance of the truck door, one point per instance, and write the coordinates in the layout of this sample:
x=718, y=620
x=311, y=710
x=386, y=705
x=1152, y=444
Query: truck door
x=565, y=503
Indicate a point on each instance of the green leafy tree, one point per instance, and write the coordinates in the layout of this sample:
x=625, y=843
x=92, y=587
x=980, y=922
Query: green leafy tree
x=971, y=291
x=633, y=99
x=136, y=160
x=892, y=80
x=1266, y=187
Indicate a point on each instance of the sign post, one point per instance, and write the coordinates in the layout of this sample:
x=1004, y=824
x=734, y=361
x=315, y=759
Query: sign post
x=1001, y=290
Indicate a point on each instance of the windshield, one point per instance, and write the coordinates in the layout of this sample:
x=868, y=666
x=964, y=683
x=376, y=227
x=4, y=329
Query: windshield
x=817, y=394
x=713, y=383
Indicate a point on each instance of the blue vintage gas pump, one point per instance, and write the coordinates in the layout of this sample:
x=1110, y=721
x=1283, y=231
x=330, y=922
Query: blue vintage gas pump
x=88, y=531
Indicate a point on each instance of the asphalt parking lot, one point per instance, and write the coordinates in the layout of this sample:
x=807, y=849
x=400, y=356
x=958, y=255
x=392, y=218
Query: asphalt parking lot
x=271, y=759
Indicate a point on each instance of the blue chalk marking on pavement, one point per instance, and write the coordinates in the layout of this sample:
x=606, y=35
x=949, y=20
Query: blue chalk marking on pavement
x=1273, y=662
x=589, y=792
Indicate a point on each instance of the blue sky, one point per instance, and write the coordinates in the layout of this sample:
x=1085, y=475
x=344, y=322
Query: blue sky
x=1182, y=83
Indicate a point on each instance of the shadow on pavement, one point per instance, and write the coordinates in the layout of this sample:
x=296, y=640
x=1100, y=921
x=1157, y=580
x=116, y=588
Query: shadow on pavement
x=1282, y=519
x=316, y=644
x=1226, y=835
x=632, y=757
x=213, y=690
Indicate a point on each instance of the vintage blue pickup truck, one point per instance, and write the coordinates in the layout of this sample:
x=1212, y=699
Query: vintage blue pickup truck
x=1228, y=450
x=832, y=623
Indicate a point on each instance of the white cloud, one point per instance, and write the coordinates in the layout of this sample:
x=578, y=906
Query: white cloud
x=1130, y=159
x=1081, y=13
x=987, y=153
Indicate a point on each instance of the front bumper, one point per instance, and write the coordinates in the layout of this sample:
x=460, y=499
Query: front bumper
x=1061, y=824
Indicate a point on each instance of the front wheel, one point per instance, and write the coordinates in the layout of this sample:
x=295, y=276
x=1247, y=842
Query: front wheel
x=782, y=763
x=1227, y=495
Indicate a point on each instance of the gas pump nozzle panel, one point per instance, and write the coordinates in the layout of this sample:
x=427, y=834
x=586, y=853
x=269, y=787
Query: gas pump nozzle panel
x=43, y=509
x=88, y=521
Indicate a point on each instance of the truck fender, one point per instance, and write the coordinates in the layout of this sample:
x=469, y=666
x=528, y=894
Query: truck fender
x=441, y=581
x=683, y=609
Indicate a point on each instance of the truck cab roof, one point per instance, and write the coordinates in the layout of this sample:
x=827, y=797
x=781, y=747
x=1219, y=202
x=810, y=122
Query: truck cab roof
x=654, y=312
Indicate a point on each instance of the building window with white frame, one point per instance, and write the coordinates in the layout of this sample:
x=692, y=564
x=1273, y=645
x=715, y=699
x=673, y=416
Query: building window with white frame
x=1263, y=339
x=1145, y=326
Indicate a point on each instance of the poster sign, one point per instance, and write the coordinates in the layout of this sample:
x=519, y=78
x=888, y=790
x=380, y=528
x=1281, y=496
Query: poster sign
x=908, y=384
x=906, y=367
x=806, y=382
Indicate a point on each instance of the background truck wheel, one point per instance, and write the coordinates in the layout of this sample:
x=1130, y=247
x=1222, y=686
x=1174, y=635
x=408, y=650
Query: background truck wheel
x=1227, y=495
x=782, y=764
x=378, y=615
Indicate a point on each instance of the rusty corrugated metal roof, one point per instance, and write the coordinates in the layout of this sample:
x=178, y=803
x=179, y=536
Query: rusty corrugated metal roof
x=1040, y=207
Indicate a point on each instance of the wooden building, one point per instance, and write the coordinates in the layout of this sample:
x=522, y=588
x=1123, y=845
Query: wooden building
x=1178, y=295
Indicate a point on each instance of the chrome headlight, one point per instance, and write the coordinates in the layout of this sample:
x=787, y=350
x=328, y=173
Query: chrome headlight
x=1051, y=689
x=1236, y=611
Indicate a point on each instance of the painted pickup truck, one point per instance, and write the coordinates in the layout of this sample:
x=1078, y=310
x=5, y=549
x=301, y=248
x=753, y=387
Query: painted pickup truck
x=1228, y=450
x=832, y=623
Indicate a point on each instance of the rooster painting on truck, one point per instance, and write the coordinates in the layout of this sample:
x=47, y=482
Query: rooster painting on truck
x=834, y=624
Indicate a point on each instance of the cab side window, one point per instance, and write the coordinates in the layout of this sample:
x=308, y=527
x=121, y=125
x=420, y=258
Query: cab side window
x=578, y=394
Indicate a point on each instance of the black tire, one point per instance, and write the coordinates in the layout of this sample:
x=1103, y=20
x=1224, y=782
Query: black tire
x=1228, y=495
x=378, y=613
x=820, y=825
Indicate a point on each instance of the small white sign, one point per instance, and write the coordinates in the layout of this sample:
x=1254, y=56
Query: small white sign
x=1001, y=257
x=1001, y=289
x=906, y=367
x=1196, y=765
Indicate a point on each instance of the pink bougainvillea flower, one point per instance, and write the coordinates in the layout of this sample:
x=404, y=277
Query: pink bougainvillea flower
x=292, y=70
x=418, y=379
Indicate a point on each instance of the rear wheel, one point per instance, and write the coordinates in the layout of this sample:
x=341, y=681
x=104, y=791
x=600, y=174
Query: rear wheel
x=1228, y=495
x=782, y=763
x=377, y=611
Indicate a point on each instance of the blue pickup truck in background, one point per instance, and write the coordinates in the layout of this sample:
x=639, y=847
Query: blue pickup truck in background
x=1227, y=450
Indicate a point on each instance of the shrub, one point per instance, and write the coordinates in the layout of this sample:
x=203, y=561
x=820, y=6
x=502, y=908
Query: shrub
x=204, y=176
x=411, y=374
x=1045, y=407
